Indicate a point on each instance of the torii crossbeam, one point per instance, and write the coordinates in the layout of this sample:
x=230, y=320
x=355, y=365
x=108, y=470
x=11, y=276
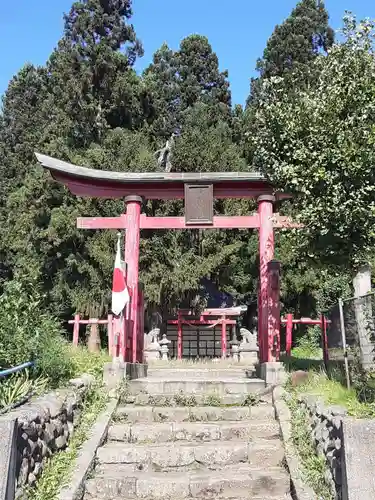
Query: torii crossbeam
x=198, y=190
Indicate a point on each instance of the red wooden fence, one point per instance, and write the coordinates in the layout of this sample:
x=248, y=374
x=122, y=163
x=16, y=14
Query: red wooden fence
x=289, y=321
x=119, y=332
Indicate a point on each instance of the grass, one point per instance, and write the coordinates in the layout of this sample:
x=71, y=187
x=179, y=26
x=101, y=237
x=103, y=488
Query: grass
x=330, y=389
x=58, y=469
x=332, y=392
x=312, y=466
x=20, y=387
x=84, y=361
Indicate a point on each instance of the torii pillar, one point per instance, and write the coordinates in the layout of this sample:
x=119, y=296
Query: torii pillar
x=266, y=253
x=133, y=204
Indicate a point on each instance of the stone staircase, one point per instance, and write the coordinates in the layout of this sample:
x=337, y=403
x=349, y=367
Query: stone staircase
x=192, y=433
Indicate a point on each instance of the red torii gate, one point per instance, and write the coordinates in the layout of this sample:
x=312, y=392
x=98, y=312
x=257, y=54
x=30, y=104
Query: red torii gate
x=198, y=190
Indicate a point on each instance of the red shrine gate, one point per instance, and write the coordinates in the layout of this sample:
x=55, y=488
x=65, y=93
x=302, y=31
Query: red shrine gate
x=199, y=191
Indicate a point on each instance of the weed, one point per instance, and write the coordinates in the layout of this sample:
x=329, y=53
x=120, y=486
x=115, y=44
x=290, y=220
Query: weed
x=56, y=473
x=19, y=386
x=313, y=467
x=158, y=400
x=213, y=400
x=120, y=417
x=84, y=361
x=185, y=400
x=308, y=346
x=334, y=393
x=123, y=391
x=250, y=400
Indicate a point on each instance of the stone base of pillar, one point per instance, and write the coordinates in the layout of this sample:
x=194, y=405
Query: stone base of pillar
x=116, y=371
x=152, y=353
x=273, y=373
x=247, y=354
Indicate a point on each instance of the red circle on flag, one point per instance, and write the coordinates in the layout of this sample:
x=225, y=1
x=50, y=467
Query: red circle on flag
x=118, y=280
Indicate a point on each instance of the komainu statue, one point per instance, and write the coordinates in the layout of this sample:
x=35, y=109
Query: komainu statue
x=249, y=339
x=152, y=337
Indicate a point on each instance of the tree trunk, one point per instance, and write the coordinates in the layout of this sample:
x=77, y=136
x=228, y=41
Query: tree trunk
x=93, y=341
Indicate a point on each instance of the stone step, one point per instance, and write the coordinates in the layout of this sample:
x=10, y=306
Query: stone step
x=133, y=414
x=239, y=481
x=284, y=497
x=212, y=373
x=190, y=399
x=206, y=386
x=191, y=456
x=161, y=432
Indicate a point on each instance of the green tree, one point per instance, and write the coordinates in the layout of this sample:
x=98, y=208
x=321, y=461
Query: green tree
x=298, y=41
x=177, y=80
x=199, y=74
x=319, y=145
x=161, y=82
x=294, y=45
x=66, y=110
x=91, y=69
x=191, y=98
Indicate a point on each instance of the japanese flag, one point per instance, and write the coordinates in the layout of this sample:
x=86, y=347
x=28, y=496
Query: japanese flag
x=120, y=292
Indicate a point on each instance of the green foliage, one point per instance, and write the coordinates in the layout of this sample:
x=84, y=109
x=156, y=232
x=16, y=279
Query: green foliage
x=330, y=389
x=313, y=467
x=177, y=80
x=89, y=107
x=84, y=361
x=27, y=332
x=308, y=346
x=15, y=388
x=90, y=71
x=318, y=145
x=289, y=55
x=298, y=41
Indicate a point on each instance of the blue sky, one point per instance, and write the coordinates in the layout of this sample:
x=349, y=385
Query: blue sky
x=238, y=30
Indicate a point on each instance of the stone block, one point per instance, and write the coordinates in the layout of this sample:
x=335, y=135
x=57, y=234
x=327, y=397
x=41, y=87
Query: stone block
x=117, y=453
x=113, y=374
x=108, y=488
x=358, y=460
x=273, y=373
x=8, y=436
x=165, y=414
x=156, y=487
x=249, y=357
x=196, y=431
x=270, y=452
x=204, y=414
x=135, y=414
x=158, y=432
x=221, y=453
x=61, y=442
x=235, y=413
x=165, y=457
x=240, y=482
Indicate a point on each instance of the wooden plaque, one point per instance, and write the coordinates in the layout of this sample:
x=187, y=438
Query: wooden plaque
x=199, y=204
